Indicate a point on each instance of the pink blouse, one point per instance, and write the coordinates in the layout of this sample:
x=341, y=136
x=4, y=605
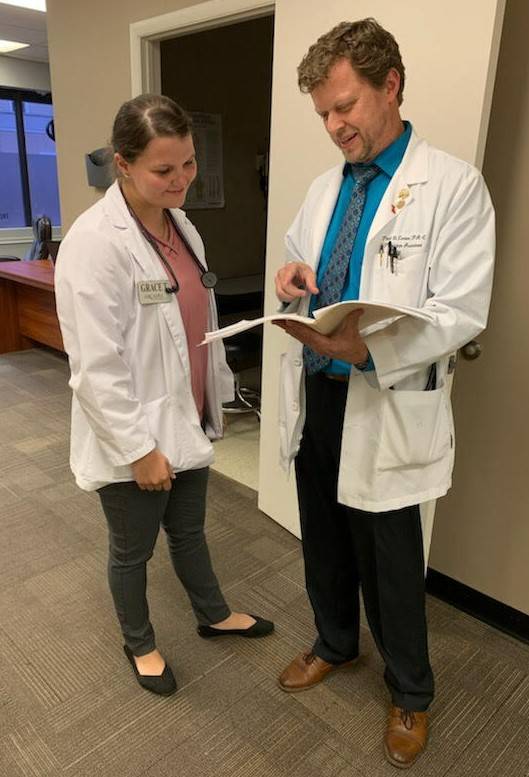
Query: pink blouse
x=193, y=300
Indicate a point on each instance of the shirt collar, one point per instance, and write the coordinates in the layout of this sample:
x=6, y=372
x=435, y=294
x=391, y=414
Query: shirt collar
x=390, y=158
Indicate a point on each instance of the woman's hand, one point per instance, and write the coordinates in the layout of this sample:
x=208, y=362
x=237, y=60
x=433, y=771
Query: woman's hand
x=295, y=279
x=153, y=472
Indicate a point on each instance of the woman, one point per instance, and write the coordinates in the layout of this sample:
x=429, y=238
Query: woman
x=134, y=299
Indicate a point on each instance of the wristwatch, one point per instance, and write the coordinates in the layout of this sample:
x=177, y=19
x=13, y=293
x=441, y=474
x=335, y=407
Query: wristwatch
x=362, y=366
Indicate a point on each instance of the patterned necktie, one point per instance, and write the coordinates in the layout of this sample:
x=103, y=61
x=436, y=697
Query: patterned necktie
x=333, y=280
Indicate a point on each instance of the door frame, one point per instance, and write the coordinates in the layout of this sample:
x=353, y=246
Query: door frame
x=145, y=35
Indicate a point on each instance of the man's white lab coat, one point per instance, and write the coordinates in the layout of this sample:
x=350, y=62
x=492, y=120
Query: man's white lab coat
x=398, y=440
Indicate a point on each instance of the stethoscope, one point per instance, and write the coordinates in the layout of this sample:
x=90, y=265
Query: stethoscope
x=207, y=278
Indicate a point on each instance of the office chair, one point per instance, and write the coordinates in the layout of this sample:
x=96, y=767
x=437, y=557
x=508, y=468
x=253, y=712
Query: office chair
x=52, y=249
x=42, y=236
x=42, y=247
x=243, y=351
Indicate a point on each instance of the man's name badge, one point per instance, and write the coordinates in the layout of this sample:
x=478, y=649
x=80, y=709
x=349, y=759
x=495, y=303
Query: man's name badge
x=153, y=292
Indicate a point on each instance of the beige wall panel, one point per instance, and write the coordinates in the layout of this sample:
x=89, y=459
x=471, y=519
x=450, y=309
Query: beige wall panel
x=481, y=534
x=448, y=85
x=90, y=71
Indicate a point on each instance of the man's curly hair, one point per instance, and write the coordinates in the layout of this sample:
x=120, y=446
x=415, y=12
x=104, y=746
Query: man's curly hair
x=371, y=50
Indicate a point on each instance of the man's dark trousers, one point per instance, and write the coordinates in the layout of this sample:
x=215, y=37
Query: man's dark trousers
x=345, y=549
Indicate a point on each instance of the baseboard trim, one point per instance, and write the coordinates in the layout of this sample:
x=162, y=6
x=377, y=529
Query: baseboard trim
x=480, y=606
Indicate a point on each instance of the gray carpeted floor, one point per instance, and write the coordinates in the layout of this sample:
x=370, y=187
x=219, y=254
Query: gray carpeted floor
x=69, y=704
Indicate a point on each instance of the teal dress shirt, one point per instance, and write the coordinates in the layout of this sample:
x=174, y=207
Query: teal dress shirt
x=388, y=161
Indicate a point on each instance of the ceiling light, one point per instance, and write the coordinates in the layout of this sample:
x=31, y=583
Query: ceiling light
x=11, y=45
x=35, y=5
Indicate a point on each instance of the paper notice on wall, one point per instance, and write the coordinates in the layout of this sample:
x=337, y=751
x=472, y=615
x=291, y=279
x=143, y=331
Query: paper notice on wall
x=207, y=190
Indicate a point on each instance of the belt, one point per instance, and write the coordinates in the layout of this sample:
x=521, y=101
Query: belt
x=341, y=378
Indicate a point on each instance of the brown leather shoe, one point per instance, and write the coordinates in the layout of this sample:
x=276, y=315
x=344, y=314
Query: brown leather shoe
x=306, y=671
x=406, y=736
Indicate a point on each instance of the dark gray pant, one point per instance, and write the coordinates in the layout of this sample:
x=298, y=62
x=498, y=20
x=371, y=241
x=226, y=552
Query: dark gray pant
x=134, y=518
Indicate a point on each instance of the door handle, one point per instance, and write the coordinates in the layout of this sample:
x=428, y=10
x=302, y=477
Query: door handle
x=471, y=350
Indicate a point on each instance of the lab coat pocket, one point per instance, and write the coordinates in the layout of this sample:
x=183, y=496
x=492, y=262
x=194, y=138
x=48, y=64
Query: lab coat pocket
x=159, y=412
x=415, y=429
x=177, y=434
x=401, y=280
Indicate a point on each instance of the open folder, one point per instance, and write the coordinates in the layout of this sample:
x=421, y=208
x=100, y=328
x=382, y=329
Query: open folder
x=327, y=319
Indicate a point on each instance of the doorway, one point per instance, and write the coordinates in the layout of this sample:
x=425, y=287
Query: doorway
x=223, y=77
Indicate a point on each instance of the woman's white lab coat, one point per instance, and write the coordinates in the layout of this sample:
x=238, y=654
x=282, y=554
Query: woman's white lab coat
x=398, y=440
x=129, y=362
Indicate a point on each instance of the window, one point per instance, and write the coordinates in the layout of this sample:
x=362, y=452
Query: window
x=11, y=195
x=28, y=177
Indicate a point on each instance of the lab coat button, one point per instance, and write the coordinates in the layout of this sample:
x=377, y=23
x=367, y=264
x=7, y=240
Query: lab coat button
x=298, y=363
x=295, y=406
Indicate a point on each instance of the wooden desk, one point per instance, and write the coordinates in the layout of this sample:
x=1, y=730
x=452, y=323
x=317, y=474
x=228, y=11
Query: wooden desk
x=27, y=306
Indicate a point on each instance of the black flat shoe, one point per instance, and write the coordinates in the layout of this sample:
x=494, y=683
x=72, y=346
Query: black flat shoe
x=163, y=684
x=259, y=629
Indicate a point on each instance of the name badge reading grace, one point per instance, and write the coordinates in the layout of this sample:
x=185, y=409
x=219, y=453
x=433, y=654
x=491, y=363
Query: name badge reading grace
x=153, y=292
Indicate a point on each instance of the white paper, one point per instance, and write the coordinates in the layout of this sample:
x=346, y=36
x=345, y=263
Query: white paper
x=326, y=319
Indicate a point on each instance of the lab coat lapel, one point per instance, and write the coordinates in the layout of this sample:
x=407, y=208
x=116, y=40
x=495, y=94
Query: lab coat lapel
x=193, y=240
x=412, y=171
x=172, y=312
x=399, y=194
x=147, y=258
x=118, y=213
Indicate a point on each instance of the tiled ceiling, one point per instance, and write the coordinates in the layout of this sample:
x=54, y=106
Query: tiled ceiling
x=25, y=26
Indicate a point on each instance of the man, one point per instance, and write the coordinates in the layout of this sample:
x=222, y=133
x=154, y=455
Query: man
x=366, y=414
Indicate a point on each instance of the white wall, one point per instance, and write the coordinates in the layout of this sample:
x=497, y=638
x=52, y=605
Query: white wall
x=481, y=531
x=22, y=74
x=447, y=97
